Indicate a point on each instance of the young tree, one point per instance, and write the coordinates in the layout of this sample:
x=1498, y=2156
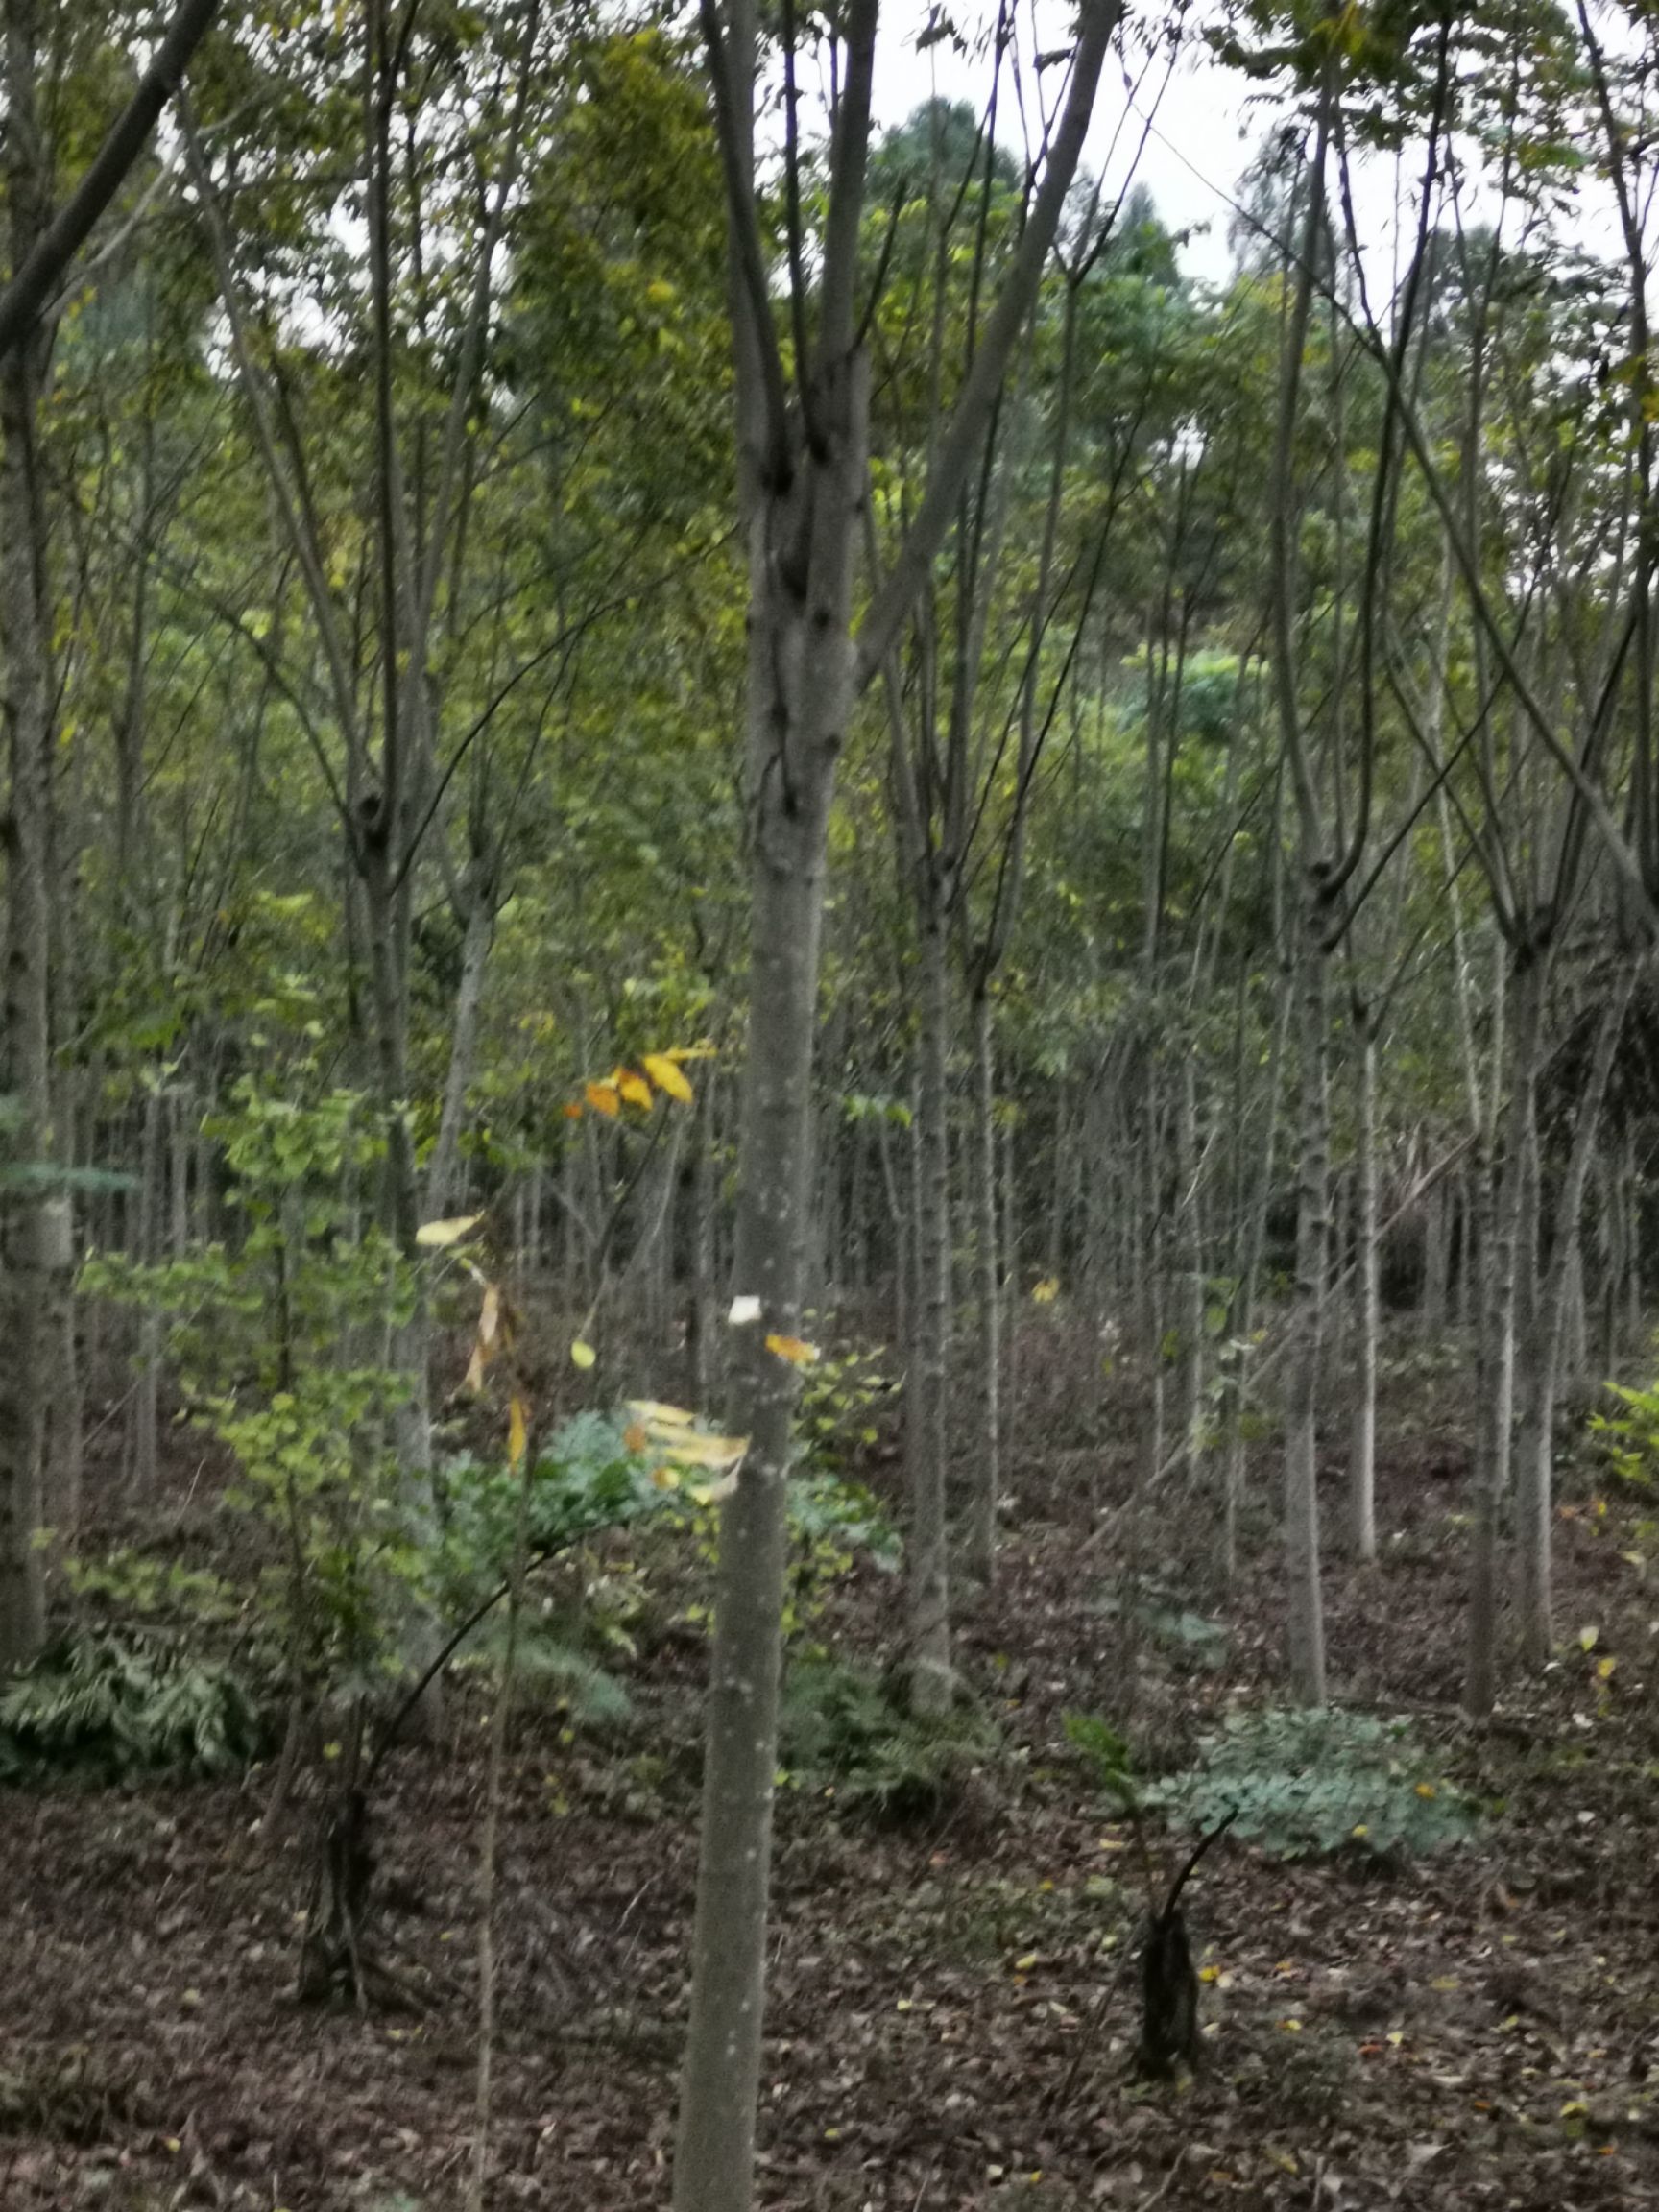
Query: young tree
x=801, y=492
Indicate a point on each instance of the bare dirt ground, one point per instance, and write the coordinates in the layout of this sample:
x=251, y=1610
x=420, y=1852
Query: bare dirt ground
x=952, y=2005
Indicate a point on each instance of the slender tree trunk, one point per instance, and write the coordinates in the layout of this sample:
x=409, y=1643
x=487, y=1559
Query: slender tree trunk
x=1010, y=1328
x=33, y=1230
x=146, y=1401
x=900, y=1215
x=1635, y=1335
x=799, y=499
x=1243, y=1315
x=182, y=1135
x=1190, y=1261
x=1497, y=1326
x=1432, y=1313
x=1363, y=1459
x=803, y=631
x=1576, y=1343
x=982, y=1547
x=1305, y=1597
x=703, y=1206
x=442, y=1178
x=930, y=1686
x=1535, y=1443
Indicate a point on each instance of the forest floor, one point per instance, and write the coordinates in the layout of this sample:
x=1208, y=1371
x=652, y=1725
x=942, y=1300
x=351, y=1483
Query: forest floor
x=952, y=2004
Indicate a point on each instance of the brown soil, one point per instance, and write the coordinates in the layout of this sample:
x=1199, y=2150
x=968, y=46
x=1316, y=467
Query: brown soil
x=952, y=2017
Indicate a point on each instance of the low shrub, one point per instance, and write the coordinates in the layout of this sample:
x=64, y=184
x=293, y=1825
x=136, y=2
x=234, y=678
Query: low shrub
x=1305, y=1782
x=842, y=1729
x=103, y=1706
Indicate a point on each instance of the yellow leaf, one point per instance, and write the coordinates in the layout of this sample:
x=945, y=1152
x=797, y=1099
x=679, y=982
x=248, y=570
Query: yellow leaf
x=634, y=1088
x=604, y=1098
x=1587, y=1639
x=1024, y=1964
x=436, y=1235
x=794, y=1349
x=475, y=1369
x=582, y=1355
x=1045, y=1292
x=489, y=1316
x=712, y=1493
x=1208, y=1973
x=1291, y=2027
x=1605, y=1668
x=518, y=1433
x=666, y=1477
x=665, y=1074
x=657, y=1416
x=687, y=1449
x=1427, y=1789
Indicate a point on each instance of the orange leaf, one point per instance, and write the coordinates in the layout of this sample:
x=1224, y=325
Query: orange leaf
x=604, y=1098
x=794, y=1349
x=572, y=1109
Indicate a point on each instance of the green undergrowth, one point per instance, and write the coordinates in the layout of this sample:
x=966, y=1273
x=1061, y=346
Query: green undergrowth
x=103, y=1705
x=1301, y=1782
x=845, y=1733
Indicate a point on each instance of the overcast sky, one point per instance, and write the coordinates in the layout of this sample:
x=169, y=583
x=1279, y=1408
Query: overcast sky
x=1207, y=124
x=1202, y=138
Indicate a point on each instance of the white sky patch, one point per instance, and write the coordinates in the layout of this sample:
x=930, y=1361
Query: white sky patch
x=1207, y=124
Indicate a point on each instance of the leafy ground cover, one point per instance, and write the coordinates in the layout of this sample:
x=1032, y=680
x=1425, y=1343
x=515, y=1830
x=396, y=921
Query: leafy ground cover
x=952, y=2014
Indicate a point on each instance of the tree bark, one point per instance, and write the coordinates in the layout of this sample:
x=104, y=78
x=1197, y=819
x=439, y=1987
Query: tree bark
x=1367, y=1316
x=800, y=500
x=1305, y=1596
x=930, y=1687
x=1496, y=1322
x=442, y=1180
x=1535, y=1501
x=1190, y=1259
x=988, y=1472
x=805, y=631
x=34, y=1228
